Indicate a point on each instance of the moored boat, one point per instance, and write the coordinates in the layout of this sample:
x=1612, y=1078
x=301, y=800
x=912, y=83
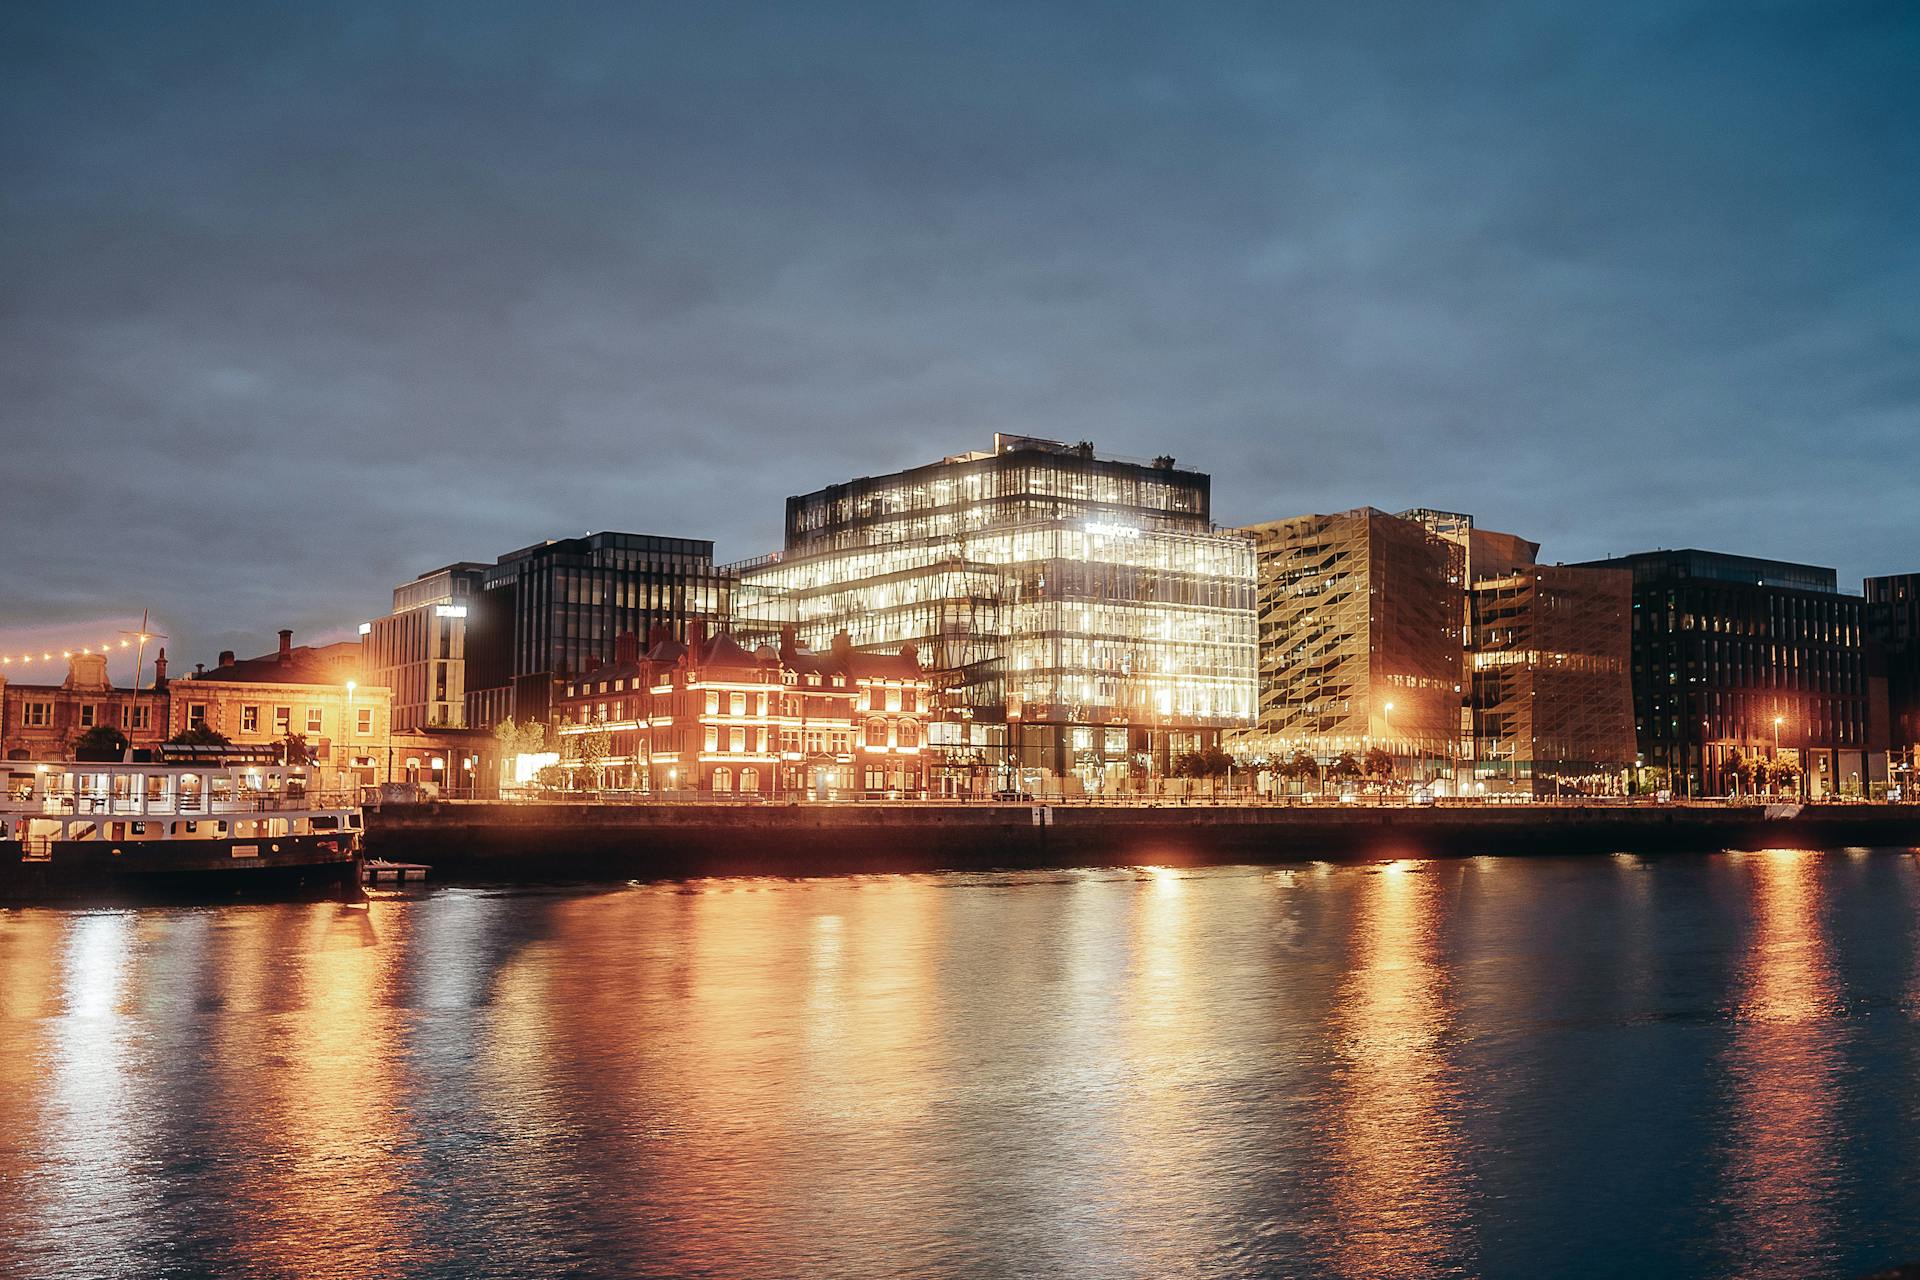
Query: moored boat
x=82, y=831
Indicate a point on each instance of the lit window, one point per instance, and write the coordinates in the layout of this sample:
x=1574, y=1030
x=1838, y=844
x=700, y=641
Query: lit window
x=749, y=779
x=737, y=704
x=893, y=699
x=713, y=702
x=713, y=738
x=314, y=720
x=876, y=733
x=908, y=734
x=736, y=740
x=250, y=719
x=723, y=779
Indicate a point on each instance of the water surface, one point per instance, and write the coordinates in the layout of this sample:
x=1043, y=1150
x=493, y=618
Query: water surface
x=1595, y=1067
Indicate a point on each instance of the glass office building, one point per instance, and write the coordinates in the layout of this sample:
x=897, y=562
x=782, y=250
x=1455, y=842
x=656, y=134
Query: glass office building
x=1724, y=646
x=548, y=610
x=1084, y=606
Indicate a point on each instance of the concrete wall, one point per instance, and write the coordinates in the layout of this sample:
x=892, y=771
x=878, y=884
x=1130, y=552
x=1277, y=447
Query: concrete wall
x=572, y=841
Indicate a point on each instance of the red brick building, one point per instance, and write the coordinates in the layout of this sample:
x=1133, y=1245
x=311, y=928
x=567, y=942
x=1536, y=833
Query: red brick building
x=711, y=717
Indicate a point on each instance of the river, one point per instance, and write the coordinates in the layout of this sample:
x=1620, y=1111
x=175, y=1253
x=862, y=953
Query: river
x=1683, y=1066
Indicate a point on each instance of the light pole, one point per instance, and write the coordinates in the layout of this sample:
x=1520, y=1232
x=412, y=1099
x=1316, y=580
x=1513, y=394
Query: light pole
x=1777, y=722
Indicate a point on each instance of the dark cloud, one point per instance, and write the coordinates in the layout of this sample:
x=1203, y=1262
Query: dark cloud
x=298, y=301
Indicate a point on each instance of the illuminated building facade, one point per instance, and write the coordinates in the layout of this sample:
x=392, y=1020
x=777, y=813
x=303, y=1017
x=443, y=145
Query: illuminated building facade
x=1893, y=630
x=318, y=693
x=1083, y=607
x=420, y=649
x=1724, y=646
x=545, y=611
x=711, y=716
x=1361, y=618
x=42, y=721
x=1552, y=690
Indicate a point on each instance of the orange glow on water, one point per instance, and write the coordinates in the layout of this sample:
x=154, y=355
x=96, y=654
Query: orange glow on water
x=1398, y=1186
x=1782, y=1067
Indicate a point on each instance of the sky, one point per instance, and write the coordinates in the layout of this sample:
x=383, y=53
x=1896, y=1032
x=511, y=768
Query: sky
x=298, y=301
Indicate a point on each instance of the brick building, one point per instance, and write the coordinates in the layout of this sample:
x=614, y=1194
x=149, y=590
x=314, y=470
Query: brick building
x=713, y=717
x=42, y=721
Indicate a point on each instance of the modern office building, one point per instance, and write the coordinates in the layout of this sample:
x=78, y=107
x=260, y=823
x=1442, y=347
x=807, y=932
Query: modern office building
x=547, y=610
x=1084, y=607
x=1893, y=633
x=420, y=649
x=1735, y=656
x=1361, y=621
x=1552, y=691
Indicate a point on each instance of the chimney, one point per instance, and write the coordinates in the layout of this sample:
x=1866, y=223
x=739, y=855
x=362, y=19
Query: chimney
x=696, y=638
x=286, y=645
x=911, y=652
x=226, y=658
x=160, y=670
x=789, y=643
x=592, y=664
x=199, y=668
x=658, y=634
x=626, y=649
x=842, y=644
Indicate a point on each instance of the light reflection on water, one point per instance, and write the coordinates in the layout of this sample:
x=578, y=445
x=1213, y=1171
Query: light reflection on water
x=1570, y=1067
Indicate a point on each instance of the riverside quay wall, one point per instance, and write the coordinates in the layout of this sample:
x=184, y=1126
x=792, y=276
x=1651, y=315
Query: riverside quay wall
x=562, y=841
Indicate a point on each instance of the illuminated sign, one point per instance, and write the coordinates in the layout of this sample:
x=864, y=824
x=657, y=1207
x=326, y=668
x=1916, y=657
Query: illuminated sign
x=366, y=628
x=449, y=611
x=1102, y=530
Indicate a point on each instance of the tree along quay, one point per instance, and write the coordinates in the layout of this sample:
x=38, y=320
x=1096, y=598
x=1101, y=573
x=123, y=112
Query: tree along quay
x=546, y=841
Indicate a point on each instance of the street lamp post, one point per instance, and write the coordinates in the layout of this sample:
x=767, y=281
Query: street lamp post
x=1777, y=722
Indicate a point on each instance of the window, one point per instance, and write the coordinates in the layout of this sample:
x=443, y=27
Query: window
x=136, y=716
x=876, y=733
x=250, y=719
x=282, y=720
x=893, y=699
x=364, y=720
x=907, y=734
x=196, y=715
x=713, y=702
x=736, y=740
x=713, y=738
x=737, y=704
x=723, y=779
x=315, y=720
x=88, y=715
x=749, y=779
x=839, y=682
x=35, y=715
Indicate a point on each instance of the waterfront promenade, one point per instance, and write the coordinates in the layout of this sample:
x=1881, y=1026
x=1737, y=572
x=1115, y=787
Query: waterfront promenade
x=567, y=839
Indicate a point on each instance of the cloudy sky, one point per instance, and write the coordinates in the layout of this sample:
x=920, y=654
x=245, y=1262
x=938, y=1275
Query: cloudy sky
x=297, y=301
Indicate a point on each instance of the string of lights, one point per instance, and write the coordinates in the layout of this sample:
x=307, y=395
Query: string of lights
x=47, y=656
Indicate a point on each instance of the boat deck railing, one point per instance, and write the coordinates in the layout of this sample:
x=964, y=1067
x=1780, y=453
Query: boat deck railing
x=172, y=806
